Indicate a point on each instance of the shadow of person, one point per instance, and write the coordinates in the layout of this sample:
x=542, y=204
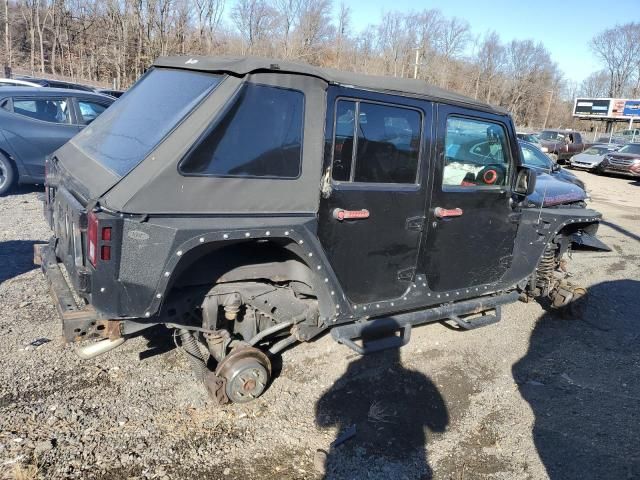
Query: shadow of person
x=16, y=258
x=390, y=408
x=581, y=377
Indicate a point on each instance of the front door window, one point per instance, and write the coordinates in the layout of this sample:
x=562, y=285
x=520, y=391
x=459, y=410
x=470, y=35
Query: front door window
x=476, y=154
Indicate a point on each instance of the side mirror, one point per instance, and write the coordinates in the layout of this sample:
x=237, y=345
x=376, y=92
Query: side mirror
x=525, y=182
x=555, y=167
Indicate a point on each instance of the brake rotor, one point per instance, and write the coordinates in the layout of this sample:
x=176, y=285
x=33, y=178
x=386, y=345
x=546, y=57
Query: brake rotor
x=246, y=372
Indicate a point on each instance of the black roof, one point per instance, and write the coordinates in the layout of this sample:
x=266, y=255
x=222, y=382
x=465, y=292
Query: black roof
x=245, y=65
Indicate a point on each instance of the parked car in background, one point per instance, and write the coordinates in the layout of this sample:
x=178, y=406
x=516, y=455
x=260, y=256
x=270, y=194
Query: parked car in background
x=631, y=135
x=112, y=93
x=533, y=157
x=36, y=121
x=562, y=144
x=12, y=82
x=625, y=161
x=612, y=140
x=45, y=82
x=531, y=138
x=591, y=158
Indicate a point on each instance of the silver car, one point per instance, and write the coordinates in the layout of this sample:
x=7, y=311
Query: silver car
x=592, y=156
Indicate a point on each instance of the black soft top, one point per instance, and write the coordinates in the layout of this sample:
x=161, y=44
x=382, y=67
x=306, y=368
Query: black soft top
x=241, y=66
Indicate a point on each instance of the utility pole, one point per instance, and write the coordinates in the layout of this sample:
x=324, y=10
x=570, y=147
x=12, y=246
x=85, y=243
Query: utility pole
x=546, y=117
x=7, y=60
x=415, y=65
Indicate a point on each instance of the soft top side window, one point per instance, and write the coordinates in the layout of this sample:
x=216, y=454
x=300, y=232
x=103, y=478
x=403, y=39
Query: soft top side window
x=382, y=146
x=476, y=153
x=259, y=135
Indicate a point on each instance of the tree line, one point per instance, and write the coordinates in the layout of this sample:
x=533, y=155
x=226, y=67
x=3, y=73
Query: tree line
x=114, y=41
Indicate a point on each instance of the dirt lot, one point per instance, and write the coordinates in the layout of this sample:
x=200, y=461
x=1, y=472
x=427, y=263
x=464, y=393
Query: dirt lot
x=533, y=397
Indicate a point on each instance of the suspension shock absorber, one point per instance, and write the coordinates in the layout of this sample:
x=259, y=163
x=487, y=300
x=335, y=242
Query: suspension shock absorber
x=546, y=267
x=189, y=345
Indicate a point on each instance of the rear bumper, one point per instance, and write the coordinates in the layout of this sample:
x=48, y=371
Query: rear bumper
x=79, y=322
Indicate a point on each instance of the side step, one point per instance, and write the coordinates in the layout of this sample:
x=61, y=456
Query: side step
x=475, y=321
x=394, y=332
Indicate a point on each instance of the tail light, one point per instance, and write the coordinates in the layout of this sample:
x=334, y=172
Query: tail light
x=93, y=227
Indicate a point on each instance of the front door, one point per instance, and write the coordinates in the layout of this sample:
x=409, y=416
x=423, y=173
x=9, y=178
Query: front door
x=372, y=211
x=472, y=220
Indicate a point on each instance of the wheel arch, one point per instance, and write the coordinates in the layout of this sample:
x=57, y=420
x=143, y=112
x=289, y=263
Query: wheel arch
x=277, y=260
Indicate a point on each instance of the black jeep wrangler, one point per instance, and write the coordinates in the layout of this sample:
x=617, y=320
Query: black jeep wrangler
x=250, y=204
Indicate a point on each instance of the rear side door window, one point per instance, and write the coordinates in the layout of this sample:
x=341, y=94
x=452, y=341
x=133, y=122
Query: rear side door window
x=50, y=110
x=476, y=154
x=89, y=111
x=259, y=136
x=376, y=143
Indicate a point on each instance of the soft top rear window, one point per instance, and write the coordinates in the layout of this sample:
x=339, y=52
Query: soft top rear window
x=137, y=122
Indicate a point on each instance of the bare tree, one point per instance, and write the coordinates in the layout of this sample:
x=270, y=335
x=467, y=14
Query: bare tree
x=314, y=28
x=618, y=49
x=595, y=85
x=490, y=62
x=288, y=16
x=342, y=32
x=209, y=14
x=254, y=19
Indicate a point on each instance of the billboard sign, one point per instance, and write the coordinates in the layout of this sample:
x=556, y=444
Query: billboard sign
x=612, y=108
x=592, y=107
x=632, y=108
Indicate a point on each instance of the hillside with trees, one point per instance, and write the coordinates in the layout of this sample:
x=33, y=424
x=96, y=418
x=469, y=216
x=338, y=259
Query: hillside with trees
x=114, y=41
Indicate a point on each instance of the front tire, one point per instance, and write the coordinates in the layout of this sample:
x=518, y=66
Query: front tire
x=8, y=175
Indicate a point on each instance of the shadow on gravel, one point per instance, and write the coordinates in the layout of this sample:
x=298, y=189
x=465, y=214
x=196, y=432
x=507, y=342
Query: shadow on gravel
x=581, y=377
x=621, y=230
x=24, y=189
x=16, y=258
x=390, y=408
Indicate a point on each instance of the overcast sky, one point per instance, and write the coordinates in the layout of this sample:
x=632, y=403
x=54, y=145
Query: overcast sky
x=563, y=26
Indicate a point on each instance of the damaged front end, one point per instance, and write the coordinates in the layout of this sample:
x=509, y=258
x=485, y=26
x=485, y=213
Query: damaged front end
x=551, y=278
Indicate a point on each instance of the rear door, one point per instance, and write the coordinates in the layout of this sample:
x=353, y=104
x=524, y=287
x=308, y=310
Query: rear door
x=40, y=125
x=372, y=211
x=472, y=219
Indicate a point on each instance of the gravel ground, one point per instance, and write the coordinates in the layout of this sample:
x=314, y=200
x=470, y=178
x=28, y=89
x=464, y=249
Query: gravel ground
x=533, y=397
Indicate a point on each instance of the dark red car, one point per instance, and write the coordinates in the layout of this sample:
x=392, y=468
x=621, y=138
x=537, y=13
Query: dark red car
x=625, y=161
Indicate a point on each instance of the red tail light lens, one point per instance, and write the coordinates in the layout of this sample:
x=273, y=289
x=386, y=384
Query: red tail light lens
x=106, y=234
x=105, y=253
x=92, y=238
